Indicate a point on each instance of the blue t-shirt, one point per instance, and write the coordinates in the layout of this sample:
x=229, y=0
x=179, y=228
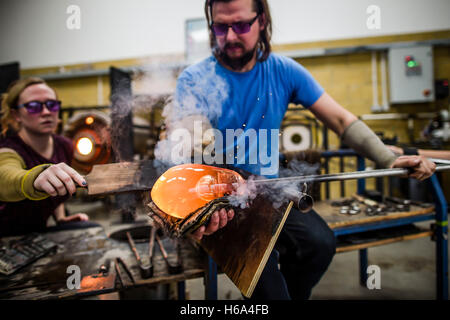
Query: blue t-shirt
x=246, y=108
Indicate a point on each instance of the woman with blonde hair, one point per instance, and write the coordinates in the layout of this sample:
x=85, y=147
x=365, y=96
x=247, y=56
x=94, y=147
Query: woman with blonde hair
x=35, y=171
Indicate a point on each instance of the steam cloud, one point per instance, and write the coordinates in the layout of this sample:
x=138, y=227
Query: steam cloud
x=278, y=192
x=201, y=102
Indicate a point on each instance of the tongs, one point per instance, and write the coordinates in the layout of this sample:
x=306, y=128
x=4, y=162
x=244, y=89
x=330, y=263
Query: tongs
x=173, y=268
x=145, y=269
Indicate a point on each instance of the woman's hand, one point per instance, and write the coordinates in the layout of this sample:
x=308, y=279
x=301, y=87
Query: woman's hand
x=58, y=180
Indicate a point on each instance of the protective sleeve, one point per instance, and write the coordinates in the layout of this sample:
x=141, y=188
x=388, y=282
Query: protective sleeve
x=365, y=142
x=17, y=182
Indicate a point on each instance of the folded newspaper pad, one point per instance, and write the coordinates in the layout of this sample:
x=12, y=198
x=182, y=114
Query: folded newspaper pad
x=176, y=227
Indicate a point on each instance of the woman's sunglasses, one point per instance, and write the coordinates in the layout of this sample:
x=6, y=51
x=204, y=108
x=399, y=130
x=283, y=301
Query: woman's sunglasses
x=221, y=29
x=35, y=107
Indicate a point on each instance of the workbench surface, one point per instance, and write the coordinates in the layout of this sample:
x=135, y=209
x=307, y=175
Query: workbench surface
x=47, y=277
x=335, y=219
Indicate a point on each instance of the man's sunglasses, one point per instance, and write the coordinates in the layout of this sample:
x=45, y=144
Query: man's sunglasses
x=221, y=29
x=35, y=107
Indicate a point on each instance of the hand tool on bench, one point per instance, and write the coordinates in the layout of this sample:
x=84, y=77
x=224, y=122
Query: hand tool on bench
x=151, y=245
x=400, y=204
x=145, y=269
x=255, y=237
x=105, y=267
x=119, y=262
x=373, y=207
x=173, y=268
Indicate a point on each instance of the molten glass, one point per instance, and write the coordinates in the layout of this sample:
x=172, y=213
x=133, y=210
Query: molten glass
x=186, y=188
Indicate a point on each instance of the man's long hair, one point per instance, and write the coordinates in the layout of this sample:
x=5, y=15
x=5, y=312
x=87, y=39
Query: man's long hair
x=261, y=7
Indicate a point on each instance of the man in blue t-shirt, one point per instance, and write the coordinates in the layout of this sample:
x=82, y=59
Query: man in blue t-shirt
x=243, y=90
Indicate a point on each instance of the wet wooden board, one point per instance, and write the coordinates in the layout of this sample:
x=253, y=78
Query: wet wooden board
x=335, y=219
x=121, y=177
x=242, y=248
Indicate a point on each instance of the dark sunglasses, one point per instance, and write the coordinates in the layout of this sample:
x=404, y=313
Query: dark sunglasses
x=221, y=29
x=35, y=107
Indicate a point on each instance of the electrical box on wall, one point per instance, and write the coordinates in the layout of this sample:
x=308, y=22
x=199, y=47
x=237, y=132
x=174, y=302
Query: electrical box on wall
x=411, y=74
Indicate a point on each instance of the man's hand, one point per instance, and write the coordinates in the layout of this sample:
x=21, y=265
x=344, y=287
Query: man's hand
x=59, y=179
x=74, y=218
x=423, y=168
x=219, y=219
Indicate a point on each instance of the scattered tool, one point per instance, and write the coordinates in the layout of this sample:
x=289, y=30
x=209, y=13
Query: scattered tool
x=373, y=208
x=151, y=245
x=24, y=251
x=146, y=270
x=342, y=203
x=400, y=204
x=104, y=267
x=351, y=209
x=119, y=261
x=173, y=268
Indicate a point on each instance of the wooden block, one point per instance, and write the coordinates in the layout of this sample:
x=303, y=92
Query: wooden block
x=121, y=177
x=242, y=248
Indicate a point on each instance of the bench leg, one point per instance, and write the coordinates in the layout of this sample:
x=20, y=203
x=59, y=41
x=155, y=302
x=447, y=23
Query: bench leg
x=211, y=280
x=363, y=267
x=441, y=234
x=181, y=286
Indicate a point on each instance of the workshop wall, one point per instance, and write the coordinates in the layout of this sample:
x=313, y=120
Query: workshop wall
x=83, y=31
x=348, y=79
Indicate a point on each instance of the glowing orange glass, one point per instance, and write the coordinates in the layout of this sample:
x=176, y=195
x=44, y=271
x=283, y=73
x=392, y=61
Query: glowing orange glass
x=184, y=189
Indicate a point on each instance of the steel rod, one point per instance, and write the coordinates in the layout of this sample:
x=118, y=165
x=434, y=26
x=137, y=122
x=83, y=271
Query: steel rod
x=347, y=175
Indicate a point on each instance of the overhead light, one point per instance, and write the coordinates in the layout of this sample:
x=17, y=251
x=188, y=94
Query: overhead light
x=89, y=120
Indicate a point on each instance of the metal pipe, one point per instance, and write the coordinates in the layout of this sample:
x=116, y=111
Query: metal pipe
x=303, y=201
x=348, y=175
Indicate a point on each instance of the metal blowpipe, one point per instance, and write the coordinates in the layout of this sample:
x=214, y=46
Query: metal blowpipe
x=348, y=175
x=304, y=202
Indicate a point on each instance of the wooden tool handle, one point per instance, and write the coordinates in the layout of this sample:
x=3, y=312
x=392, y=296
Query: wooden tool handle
x=164, y=253
x=133, y=247
x=366, y=201
x=151, y=242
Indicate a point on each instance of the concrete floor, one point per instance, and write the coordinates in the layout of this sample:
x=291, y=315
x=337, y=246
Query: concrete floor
x=407, y=268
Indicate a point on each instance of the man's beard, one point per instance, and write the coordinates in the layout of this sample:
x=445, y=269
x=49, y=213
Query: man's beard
x=235, y=63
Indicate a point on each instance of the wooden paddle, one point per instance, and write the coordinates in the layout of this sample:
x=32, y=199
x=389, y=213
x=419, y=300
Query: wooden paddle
x=121, y=177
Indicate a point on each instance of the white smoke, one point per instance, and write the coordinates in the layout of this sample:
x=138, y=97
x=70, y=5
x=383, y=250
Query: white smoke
x=201, y=101
x=278, y=192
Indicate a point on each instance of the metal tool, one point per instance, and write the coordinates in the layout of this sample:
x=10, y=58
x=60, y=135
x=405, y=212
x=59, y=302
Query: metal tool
x=104, y=267
x=373, y=208
x=349, y=175
x=400, y=204
x=351, y=209
x=145, y=269
x=151, y=245
x=118, y=261
x=173, y=269
x=437, y=160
